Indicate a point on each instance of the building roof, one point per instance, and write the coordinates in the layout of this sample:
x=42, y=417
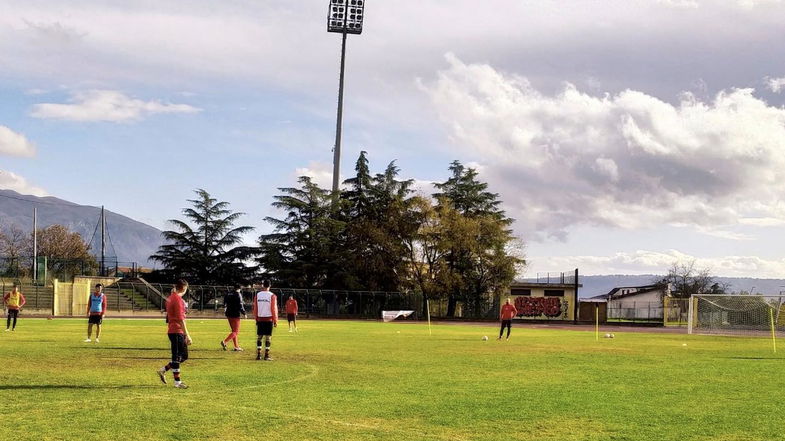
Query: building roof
x=615, y=292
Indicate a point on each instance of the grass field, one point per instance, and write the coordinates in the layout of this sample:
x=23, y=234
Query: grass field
x=339, y=380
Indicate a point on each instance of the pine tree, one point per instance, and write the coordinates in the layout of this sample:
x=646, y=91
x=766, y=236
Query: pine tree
x=301, y=252
x=205, y=248
x=375, y=213
x=477, y=241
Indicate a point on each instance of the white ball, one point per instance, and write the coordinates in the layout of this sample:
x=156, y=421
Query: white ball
x=484, y=338
x=684, y=344
x=612, y=336
x=607, y=336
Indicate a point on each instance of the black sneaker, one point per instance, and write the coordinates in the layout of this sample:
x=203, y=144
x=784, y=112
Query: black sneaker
x=258, y=357
x=223, y=345
x=268, y=358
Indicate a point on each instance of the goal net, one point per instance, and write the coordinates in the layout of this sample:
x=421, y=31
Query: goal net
x=753, y=315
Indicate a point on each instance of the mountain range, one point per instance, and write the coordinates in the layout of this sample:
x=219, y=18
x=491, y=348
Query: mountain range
x=127, y=240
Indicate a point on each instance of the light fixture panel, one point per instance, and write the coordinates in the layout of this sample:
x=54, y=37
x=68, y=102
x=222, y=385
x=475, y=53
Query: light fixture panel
x=346, y=16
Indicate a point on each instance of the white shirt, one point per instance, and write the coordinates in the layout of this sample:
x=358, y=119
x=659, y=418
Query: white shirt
x=264, y=304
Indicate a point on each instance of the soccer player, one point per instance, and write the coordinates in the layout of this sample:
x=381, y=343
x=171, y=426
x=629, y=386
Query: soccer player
x=96, y=308
x=178, y=333
x=291, y=313
x=265, y=311
x=13, y=301
x=506, y=315
x=233, y=308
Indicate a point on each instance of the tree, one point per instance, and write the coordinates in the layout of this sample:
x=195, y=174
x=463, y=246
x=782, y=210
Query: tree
x=15, y=251
x=205, y=247
x=478, y=237
x=468, y=195
x=426, y=250
x=67, y=252
x=685, y=279
x=14, y=243
x=303, y=249
x=375, y=215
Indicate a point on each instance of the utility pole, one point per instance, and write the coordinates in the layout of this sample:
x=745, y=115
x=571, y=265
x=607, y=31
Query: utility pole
x=35, y=245
x=103, y=242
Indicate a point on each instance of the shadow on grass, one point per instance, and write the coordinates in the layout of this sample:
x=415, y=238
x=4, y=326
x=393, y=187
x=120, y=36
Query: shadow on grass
x=162, y=358
x=69, y=386
x=754, y=358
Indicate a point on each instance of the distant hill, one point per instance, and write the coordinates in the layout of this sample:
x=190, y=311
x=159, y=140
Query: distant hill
x=133, y=241
x=596, y=285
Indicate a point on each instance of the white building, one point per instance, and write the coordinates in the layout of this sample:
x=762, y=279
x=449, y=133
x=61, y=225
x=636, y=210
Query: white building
x=636, y=302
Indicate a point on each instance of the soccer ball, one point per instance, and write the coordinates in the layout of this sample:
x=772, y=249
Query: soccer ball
x=484, y=338
x=612, y=336
x=608, y=336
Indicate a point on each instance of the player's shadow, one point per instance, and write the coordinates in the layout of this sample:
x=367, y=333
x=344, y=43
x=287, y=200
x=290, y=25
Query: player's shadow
x=69, y=386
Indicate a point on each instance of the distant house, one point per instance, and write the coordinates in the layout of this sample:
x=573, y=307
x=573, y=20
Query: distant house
x=635, y=302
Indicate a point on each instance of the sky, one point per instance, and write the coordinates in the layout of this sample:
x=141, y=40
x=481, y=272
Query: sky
x=622, y=135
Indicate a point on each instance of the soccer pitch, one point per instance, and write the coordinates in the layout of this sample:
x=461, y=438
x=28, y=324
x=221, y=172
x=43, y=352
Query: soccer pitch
x=343, y=380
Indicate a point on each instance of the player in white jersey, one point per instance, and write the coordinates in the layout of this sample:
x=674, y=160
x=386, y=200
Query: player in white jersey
x=265, y=311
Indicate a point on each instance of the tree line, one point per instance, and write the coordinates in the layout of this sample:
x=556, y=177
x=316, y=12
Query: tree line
x=377, y=234
x=67, y=252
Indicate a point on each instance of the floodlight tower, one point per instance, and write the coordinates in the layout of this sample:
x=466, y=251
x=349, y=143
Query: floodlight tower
x=344, y=17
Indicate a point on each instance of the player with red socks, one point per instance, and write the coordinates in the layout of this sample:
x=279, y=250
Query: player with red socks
x=178, y=333
x=265, y=311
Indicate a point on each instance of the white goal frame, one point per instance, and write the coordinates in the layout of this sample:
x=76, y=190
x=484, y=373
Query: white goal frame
x=771, y=322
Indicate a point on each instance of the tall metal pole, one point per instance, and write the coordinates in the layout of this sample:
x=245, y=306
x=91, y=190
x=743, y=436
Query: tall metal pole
x=337, y=148
x=35, y=245
x=103, y=242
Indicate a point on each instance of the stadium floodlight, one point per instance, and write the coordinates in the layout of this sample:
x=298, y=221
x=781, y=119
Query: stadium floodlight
x=346, y=16
x=343, y=17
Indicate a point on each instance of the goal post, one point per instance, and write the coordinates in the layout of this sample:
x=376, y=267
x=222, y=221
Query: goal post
x=744, y=315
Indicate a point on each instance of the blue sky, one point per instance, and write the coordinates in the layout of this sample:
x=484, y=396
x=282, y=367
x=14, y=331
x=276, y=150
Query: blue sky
x=622, y=135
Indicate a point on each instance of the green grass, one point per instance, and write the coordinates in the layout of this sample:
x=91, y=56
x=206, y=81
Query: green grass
x=339, y=380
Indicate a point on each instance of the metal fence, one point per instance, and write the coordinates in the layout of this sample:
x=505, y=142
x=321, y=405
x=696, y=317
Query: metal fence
x=65, y=269
x=635, y=311
x=556, y=278
x=143, y=296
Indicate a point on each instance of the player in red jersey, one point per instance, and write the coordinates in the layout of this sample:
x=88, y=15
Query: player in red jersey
x=506, y=315
x=265, y=311
x=178, y=333
x=13, y=301
x=291, y=313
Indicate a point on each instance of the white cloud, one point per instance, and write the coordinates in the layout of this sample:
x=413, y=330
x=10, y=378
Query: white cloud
x=106, y=105
x=679, y=4
x=753, y=3
x=12, y=181
x=15, y=144
x=655, y=262
x=321, y=173
x=775, y=84
x=627, y=160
